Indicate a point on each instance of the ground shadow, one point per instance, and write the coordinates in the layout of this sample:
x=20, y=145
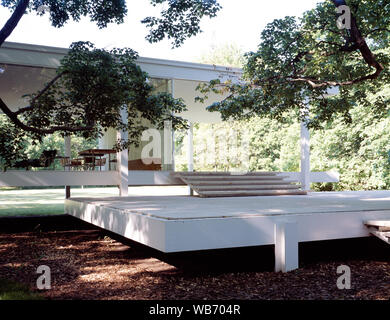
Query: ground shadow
x=261, y=259
x=248, y=259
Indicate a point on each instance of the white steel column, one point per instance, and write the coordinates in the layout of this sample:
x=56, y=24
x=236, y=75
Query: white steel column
x=168, y=143
x=106, y=142
x=190, y=152
x=190, y=149
x=173, y=149
x=173, y=131
x=123, y=159
x=305, y=157
x=67, y=153
x=68, y=146
x=286, y=246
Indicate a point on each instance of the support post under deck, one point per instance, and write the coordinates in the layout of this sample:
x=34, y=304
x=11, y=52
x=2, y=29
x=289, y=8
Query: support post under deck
x=123, y=159
x=286, y=246
x=68, y=153
x=190, y=152
x=305, y=157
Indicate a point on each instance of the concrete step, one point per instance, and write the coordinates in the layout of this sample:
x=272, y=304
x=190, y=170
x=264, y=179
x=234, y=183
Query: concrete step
x=379, y=225
x=227, y=184
x=221, y=184
x=232, y=178
x=384, y=236
x=187, y=174
x=248, y=193
x=246, y=187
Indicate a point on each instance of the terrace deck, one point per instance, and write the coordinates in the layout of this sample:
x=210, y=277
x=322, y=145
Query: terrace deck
x=184, y=223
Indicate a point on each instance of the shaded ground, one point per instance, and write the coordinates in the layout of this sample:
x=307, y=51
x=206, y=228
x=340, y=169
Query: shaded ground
x=90, y=264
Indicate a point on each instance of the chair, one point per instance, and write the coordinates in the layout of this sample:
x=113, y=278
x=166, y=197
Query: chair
x=47, y=158
x=65, y=162
x=89, y=163
x=100, y=163
x=112, y=162
x=76, y=164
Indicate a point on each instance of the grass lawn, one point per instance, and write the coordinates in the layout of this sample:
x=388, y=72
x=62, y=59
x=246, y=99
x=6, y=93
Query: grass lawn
x=32, y=202
x=10, y=290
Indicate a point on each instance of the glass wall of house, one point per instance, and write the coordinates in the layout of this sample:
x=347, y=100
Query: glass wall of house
x=16, y=81
x=142, y=157
x=199, y=154
x=51, y=154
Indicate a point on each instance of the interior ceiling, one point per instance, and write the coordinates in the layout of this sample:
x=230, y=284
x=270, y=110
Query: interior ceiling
x=196, y=111
x=16, y=81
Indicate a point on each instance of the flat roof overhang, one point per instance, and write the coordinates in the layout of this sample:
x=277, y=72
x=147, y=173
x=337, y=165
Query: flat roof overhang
x=28, y=67
x=30, y=55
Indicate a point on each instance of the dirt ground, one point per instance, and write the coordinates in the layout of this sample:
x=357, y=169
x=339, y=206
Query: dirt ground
x=90, y=264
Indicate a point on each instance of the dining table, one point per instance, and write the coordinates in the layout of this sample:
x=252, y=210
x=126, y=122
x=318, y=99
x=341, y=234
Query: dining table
x=98, y=153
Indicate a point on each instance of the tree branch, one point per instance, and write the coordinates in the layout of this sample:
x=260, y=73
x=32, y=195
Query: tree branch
x=360, y=44
x=14, y=118
x=377, y=30
x=356, y=42
x=13, y=21
x=319, y=84
x=47, y=87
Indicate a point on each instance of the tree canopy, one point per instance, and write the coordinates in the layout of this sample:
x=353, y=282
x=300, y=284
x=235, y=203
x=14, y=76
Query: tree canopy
x=88, y=95
x=93, y=86
x=178, y=21
x=299, y=59
x=359, y=151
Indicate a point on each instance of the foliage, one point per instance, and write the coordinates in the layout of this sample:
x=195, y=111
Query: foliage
x=296, y=63
x=299, y=60
x=13, y=143
x=178, y=20
x=252, y=145
x=228, y=54
x=359, y=150
x=93, y=87
x=60, y=12
x=17, y=145
x=56, y=142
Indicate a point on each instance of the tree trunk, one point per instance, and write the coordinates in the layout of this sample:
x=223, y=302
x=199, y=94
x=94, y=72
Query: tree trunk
x=13, y=21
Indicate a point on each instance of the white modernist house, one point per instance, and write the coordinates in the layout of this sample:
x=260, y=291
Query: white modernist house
x=173, y=223
x=25, y=69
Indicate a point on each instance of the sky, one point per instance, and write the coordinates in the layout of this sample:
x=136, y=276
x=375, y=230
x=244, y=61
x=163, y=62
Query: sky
x=239, y=22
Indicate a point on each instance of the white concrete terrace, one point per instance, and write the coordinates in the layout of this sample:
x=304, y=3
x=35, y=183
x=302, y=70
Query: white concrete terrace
x=183, y=223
